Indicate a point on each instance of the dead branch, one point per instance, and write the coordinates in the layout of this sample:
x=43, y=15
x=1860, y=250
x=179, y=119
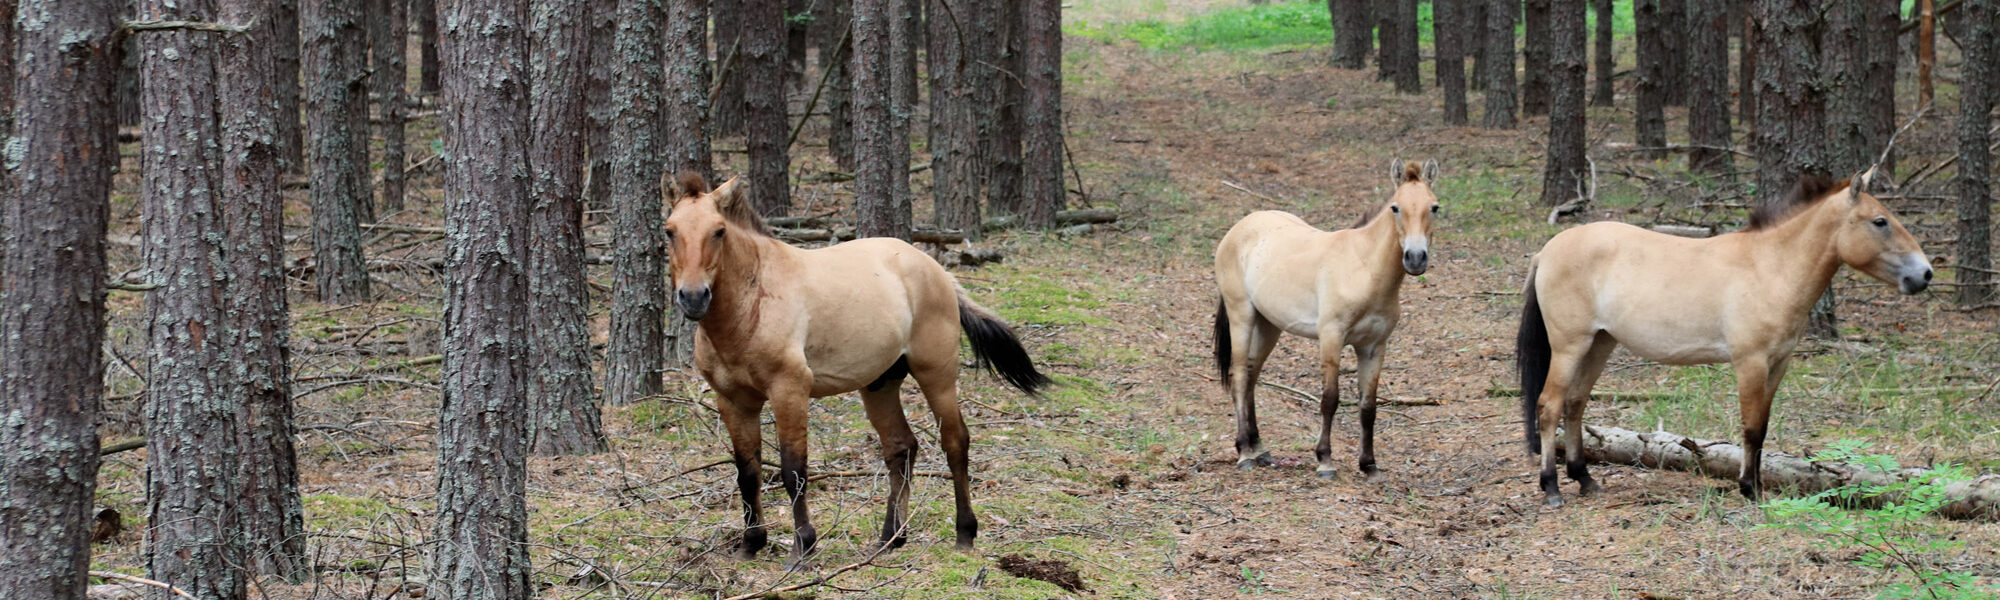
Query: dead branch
x=142, y=581
x=1259, y=196
x=1379, y=401
x=124, y=446
x=138, y=25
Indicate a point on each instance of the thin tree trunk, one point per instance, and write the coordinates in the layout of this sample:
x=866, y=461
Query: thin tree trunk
x=1746, y=79
x=1567, y=171
x=389, y=42
x=1445, y=29
x=634, y=356
x=1926, y=50
x=1535, y=56
x=1604, y=59
x=1003, y=177
x=1475, y=40
x=1674, y=54
x=1500, y=63
x=837, y=51
x=1791, y=118
x=1351, y=38
x=7, y=10
x=730, y=58
x=257, y=308
x=954, y=135
x=335, y=56
x=426, y=13
x=1975, y=164
x=1409, y=64
x=874, y=154
x=797, y=17
x=1842, y=74
x=911, y=14
x=1384, y=12
x=1880, y=21
x=284, y=48
x=62, y=149
x=604, y=62
x=687, y=80
x=482, y=433
x=562, y=407
x=1708, y=70
x=1650, y=118
x=1042, y=191
x=763, y=67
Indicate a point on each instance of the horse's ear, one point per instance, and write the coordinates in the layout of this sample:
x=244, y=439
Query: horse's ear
x=729, y=195
x=1396, y=171
x=1858, y=184
x=688, y=185
x=1430, y=171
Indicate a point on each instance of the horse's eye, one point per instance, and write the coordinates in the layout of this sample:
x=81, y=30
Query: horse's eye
x=670, y=236
x=1434, y=209
x=1881, y=221
x=1395, y=209
x=718, y=233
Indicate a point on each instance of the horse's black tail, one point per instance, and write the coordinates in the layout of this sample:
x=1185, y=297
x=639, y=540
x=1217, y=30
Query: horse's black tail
x=996, y=348
x=1531, y=360
x=1222, y=341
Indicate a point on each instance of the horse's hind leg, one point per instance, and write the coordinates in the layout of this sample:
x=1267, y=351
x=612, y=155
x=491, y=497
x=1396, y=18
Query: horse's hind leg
x=1254, y=336
x=1563, y=364
x=1574, y=402
x=939, y=381
x=1369, y=370
x=899, y=453
x=739, y=416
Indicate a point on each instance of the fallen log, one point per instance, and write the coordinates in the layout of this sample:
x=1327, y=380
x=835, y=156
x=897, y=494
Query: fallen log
x=1063, y=218
x=1977, y=498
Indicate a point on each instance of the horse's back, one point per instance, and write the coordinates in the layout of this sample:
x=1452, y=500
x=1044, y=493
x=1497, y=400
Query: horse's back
x=1662, y=296
x=867, y=299
x=1270, y=262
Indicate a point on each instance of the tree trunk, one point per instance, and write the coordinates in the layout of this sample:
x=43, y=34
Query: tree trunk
x=389, y=42
x=1384, y=12
x=1445, y=29
x=191, y=525
x=1926, y=49
x=1475, y=40
x=1409, y=64
x=687, y=81
x=7, y=10
x=1042, y=192
x=954, y=135
x=1567, y=173
x=1746, y=79
x=1003, y=175
x=257, y=310
x=482, y=433
x=910, y=14
x=62, y=150
x=1975, y=165
x=1842, y=74
x=1500, y=63
x=1604, y=59
x=1351, y=38
x=284, y=45
x=1674, y=55
x=1791, y=116
x=879, y=211
x=1974, y=499
x=730, y=56
x=335, y=56
x=1708, y=101
x=1535, y=56
x=562, y=409
x=426, y=12
x=763, y=66
x=837, y=51
x=634, y=355
x=1650, y=118
x=604, y=62
x=1880, y=21
x=798, y=17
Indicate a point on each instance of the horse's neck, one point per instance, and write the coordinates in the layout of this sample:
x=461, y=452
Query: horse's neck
x=1385, y=270
x=1797, y=257
x=734, y=309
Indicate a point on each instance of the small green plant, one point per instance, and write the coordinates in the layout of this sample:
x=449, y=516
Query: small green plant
x=1897, y=536
x=1254, y=584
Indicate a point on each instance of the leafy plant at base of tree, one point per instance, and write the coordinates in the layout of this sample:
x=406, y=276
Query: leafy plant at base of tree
x=1897, y=536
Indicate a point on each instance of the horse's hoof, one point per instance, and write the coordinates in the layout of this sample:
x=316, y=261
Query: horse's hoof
x=1588, y=487
x=1328, y=474
x=964, y=546
x=1373, y=475
x=798, y=562
x=746, y=554
x=1552, y=501
x=1265, y=460
x=1246, y=465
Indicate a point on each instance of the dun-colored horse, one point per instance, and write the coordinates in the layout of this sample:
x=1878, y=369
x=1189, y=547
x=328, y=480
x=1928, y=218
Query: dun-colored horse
x=1740, y=298
x=781, y=325
x=1342, y=288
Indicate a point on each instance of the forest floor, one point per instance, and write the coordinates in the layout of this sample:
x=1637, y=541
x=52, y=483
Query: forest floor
x=1126, y=470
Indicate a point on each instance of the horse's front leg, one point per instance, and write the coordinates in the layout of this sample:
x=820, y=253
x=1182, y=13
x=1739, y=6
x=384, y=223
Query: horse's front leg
x=789, y=406
x=1330, y=343
x=1369, y=367
x=740, y=416
x=1756, y=384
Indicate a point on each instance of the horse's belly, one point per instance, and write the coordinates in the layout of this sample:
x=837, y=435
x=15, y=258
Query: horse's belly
x=1674, y=349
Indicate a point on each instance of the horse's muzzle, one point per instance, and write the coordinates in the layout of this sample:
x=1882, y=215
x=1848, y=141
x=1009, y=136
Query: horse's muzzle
x=1911, y=284
x=694, y=303
x=1415, y=262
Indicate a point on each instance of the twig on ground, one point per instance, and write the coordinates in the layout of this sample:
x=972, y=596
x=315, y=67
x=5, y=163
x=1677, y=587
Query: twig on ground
x=1246, y=190
x=142, y=581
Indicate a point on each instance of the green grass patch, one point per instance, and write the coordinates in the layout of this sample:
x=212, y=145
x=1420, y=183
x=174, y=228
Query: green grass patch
x=1028, y=296
x=1233, y=28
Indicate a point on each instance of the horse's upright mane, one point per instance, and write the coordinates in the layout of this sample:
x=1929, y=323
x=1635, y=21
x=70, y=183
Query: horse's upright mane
x=1807, y=192
x=736, y=208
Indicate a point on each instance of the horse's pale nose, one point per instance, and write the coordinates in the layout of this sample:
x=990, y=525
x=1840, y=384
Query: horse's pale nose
x=694, y=303
x=1415, y=262
x=1912, y=284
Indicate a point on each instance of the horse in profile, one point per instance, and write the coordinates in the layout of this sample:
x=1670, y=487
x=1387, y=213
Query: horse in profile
x=1279, y=274
x=780, y=325
x=1740, y=298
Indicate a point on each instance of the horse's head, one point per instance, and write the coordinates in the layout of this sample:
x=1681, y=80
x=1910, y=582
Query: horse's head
x=1412, y=208
x=1871, y=240
x=698, y=234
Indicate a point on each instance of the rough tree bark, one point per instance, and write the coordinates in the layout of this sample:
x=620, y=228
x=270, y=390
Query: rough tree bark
x=562, y=407
x=1880, y=21
x=1604, y=62
x=426, y=12
x=1842, y=74
x=335, y=57
x=686, y=81
x=1567, y=171
x=632, y=363
x=729, y=58
x=954, y=135
x=1351, y=38
x=763, y=66
x=51, y=337
x=482, y=434
x=1500, y=63
x=1475, y=40
x=1974, y=499
x=1650, y=118
x=1708, y=75
x=875, y=136
x=1042, y=192
x=6, y=106
x=1746, y=79
x=191, y=453
x=1791, y=116
x=252, y=118
x=910, y=22
x=1535, y=56
x=388, y=42
x=837, y=51
x=284, y=48
x=1384, y=12
x=1674, y=55
x=604, y=62
x=1409, y=62
x=1974, y=263
x=1003, y=175
x=1446, y=30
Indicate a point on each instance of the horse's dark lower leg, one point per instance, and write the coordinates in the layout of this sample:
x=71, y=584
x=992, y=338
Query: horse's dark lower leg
x=1578, y=468
x=1369, y=375
x=899, y=451
x=955, y=440
x=895, y=522
x=1329, y=403
x=791, y=420
x=1751, y=482
x=1756, y=383
x=1550, y=413
x=1368, y=436
x=746, y=446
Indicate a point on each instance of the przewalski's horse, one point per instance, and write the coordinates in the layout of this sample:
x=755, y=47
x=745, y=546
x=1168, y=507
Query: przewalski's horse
x=1740, y=298
x=1342, y=288
x=782, y=325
